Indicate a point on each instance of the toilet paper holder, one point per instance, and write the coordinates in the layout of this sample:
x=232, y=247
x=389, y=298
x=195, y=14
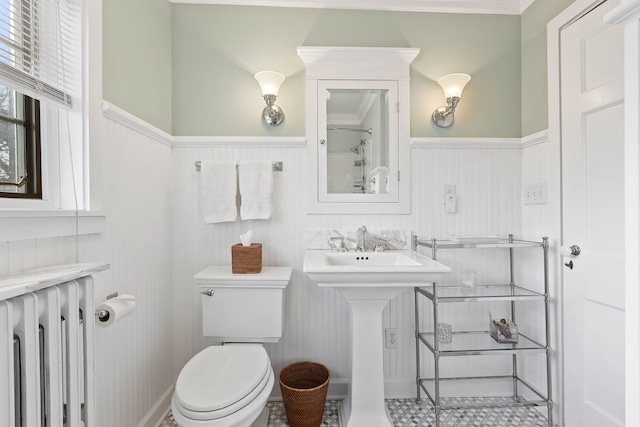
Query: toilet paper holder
x=103, y=315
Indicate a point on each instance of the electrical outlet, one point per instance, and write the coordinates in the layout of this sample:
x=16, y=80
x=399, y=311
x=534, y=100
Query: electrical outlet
x=391, y=338
x=450, y=198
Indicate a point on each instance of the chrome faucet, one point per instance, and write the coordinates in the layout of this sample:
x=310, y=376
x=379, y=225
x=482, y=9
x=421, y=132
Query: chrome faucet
x=338, y=244
x=361, y=233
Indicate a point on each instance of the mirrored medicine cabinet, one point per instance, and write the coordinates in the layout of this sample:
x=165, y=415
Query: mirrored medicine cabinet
x=357, y=121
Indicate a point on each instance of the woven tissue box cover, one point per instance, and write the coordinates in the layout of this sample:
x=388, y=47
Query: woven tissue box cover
x=246, y=259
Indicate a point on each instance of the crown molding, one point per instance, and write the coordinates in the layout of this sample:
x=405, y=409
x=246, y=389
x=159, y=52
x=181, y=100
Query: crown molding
x=524, y=4
x=505, y=7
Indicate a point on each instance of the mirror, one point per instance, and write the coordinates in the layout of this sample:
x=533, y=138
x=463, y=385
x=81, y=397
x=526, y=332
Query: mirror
x=357, y=141
x=357, y=120
x=360, y=131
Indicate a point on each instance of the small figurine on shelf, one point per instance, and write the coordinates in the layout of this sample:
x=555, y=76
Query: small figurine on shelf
x=503, y=330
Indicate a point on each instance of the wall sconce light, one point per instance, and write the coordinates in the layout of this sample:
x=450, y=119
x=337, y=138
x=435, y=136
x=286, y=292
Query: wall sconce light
x=452, y=85
x=270, y=82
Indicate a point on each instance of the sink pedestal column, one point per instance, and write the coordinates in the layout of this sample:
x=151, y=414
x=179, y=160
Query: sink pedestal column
x=369, y=280
x=364, y=405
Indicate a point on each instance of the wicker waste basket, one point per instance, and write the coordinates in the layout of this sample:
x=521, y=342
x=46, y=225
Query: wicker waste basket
x=304, y=391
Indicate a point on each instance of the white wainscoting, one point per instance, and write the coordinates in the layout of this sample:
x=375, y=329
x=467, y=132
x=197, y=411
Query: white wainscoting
x=133, y=357
x=488, y=186
x=488, y=175
x=155, y=241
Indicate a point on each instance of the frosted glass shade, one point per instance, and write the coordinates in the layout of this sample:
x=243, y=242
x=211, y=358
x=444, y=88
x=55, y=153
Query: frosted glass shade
x=453, y=84
x=270, y=82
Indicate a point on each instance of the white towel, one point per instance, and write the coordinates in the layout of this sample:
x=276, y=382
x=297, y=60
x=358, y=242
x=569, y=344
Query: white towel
x=256, y=186
x=219, y=187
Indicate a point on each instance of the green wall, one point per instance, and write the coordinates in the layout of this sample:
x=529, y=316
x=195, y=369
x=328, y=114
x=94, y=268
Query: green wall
x=217, y=49
x=136, y=58
x=534, y=62
x=188, y=69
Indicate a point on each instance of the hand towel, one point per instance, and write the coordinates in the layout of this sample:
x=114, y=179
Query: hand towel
x=219, y=188
x=256, y=186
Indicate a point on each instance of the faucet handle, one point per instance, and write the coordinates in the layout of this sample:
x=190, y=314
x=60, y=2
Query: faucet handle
x=337, y=243
x=379, y=247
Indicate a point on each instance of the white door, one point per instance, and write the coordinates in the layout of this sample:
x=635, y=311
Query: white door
x=592, y=107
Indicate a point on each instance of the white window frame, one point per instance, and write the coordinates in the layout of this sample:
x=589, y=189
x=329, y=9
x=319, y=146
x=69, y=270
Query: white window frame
x=56, y=215
x=62, y=142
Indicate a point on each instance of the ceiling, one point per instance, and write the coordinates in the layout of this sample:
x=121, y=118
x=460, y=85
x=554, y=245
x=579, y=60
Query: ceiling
x=508, y=7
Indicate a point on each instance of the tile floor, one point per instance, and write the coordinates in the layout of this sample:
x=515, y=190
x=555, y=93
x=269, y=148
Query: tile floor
x=408, y=413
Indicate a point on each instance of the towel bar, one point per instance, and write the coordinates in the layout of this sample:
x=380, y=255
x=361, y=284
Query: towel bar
x=277, y=166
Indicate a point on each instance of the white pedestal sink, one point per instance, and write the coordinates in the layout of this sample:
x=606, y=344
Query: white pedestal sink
x=369, y=280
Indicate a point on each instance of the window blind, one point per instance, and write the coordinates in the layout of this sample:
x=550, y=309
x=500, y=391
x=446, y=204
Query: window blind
x=37, y=46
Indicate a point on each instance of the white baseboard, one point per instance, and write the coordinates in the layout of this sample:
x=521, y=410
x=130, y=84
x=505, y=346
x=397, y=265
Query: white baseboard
x=159, y=411
x=400, y=389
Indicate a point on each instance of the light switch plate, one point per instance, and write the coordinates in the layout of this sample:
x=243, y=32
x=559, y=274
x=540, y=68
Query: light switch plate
x=536, y=194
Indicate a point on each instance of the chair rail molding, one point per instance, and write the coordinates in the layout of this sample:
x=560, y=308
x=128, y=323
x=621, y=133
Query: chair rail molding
x=239, y=141
x=127, y=119
x=484, y=143
x=535, y=138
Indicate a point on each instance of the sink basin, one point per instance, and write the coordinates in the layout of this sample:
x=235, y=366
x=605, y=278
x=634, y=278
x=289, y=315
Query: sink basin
x=391, y=268
x=369, y=280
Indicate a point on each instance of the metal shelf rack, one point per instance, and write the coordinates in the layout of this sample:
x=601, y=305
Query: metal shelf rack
x=517, y=391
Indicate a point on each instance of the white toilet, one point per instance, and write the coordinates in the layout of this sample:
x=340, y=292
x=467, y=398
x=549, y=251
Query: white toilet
x=228, y=385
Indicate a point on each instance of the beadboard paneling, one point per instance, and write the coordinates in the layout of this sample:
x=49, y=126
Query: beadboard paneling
x=133, y=357
x=156, y=241
x=316, y=320
x=315, y=317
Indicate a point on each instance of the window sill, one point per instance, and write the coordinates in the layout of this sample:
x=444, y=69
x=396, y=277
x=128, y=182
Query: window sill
x=38, y=224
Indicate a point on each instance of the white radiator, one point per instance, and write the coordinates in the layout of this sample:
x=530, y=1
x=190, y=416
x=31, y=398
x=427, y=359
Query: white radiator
x=46, y=355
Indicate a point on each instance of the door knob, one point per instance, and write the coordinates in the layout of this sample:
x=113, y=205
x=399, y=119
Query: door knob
x=573, y=250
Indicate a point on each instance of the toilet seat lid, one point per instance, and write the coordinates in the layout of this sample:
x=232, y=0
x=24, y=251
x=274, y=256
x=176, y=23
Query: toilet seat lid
x=220, y=376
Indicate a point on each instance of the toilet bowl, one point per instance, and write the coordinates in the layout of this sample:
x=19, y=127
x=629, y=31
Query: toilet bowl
x=224, y=386
x=228, y=385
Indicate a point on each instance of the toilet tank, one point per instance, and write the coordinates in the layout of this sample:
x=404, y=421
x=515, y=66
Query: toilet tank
x=243, y=307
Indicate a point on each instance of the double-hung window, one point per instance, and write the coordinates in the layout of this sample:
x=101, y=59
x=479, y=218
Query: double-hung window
x=20, y=160
x=39, y=42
